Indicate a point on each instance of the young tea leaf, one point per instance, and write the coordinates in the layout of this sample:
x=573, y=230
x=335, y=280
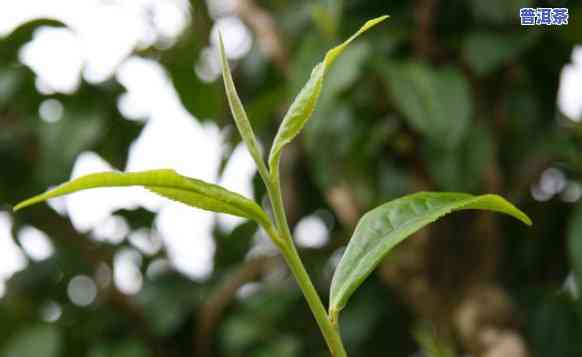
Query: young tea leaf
x=166, y=183
x=304, y=104
x=382, y=228
x=238, y=112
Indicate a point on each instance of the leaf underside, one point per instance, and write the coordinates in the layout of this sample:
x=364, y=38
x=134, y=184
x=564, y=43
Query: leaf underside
x=166, y=183
x=304, y=104
x=382, y=228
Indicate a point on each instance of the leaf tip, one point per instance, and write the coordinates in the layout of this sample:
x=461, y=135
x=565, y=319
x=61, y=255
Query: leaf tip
x=511, y=209
x=31, y=201
x=522, y=217
x=22, y=204
x=383, y=17
x=221, y=50
x=516, y=212
x=375, y=21
x=526, y=220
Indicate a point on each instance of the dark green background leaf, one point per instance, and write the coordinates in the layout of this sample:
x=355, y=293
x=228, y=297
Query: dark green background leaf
x=434, y=101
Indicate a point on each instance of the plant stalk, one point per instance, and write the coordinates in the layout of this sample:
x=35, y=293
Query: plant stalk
x=330, y=334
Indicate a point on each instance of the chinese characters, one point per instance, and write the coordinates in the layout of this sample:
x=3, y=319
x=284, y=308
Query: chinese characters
x=544, y=16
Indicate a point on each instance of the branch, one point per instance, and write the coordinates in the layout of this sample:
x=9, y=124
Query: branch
x=423, y=41
x=212, y=311
x=268, y=35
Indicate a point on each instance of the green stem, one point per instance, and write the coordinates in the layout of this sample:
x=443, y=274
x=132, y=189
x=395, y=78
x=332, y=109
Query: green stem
x=331, y=335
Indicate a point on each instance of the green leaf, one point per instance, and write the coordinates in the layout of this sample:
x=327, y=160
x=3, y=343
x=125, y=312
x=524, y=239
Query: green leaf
x=166, y=183
x=437, y=103
x=384, y=227
x=238, y=112
x=463, y=168
x=487, y=51
x=304, y=104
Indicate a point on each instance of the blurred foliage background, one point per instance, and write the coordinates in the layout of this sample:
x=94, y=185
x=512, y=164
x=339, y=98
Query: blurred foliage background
x=446, y=95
